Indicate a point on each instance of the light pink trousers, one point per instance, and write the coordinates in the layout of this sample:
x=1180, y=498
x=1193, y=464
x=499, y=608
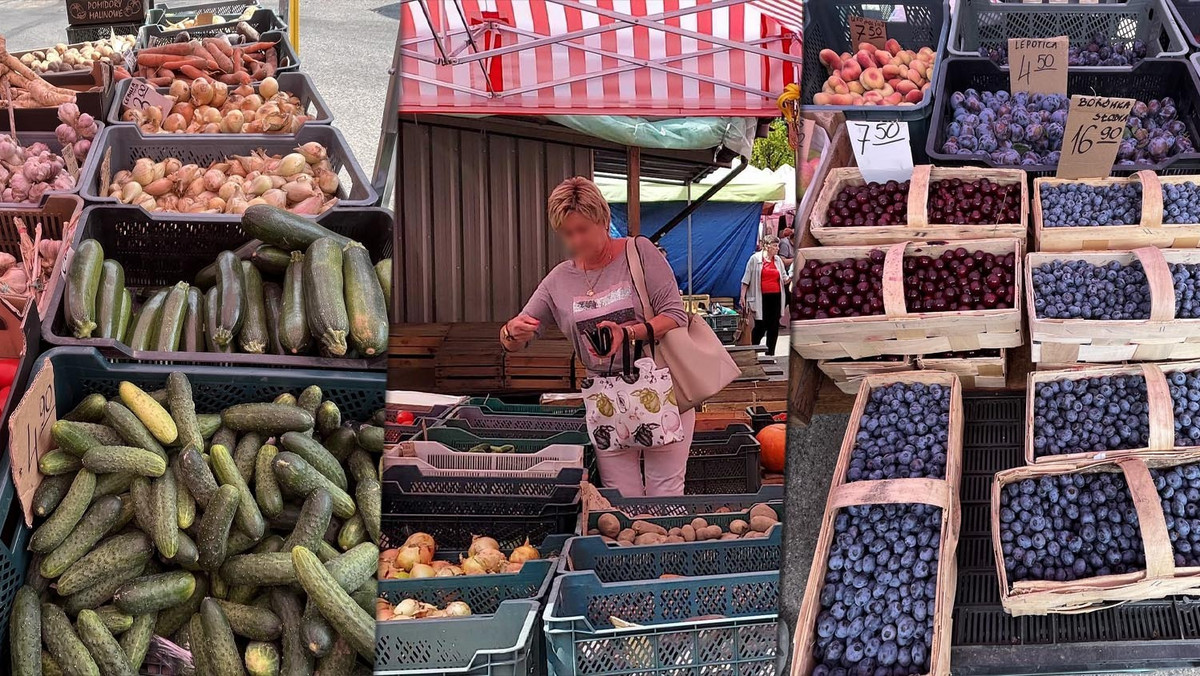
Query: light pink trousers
x=665, y=466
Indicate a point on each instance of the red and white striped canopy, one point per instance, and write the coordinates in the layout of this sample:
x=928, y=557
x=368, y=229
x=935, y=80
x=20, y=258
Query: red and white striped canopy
x=611, y=57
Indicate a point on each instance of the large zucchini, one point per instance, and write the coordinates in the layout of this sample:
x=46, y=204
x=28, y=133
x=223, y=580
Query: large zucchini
x=108, y=299
x=324, y=296
x=383, y=270
x=172, y=316
x=192, y=339
x=231, y=289
x=273, y=304
x=83, y=283
x=253, y=337
x=270, y=259
x=294, y=335
x=144, y=332
x=284, y=229
x=366, y=307
x=212, y=319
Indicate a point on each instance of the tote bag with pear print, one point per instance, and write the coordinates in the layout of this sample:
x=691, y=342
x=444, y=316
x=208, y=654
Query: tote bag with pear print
x=635, y=409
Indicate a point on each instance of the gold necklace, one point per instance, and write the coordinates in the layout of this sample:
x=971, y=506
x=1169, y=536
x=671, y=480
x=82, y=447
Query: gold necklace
x=591, y=286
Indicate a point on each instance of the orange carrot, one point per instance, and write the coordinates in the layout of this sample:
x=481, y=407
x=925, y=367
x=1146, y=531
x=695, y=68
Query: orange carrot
x=258, y=47
x=187, y=61
x=144, y=59
x=224, y=63
x=174, y=48
x=192, y=72
x=161, y=81
x=238, y=66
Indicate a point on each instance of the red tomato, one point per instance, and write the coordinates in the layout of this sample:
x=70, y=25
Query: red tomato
x=405, y=418
x=781, y=417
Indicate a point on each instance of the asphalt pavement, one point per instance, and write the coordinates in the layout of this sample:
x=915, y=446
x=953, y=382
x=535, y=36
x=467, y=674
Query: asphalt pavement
x=346, y=46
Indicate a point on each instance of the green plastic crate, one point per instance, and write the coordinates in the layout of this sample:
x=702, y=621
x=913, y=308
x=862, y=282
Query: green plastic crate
x=495, y=405
x=650, y=562
x=582, y=641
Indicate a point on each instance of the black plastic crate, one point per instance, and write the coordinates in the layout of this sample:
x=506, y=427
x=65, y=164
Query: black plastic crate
x=77, y=34
x=724, y=462
x=455, y=531
x=1152, y=78
x=1145, y=635
x=1187, y=16
x=913, y=23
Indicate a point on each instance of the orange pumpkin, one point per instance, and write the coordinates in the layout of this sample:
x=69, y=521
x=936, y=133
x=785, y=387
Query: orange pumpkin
x=773, y=440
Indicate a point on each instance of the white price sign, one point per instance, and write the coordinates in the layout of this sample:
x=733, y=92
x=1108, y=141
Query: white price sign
x=882, y=150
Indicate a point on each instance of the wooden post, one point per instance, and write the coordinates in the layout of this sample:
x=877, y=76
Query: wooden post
x=633, y=206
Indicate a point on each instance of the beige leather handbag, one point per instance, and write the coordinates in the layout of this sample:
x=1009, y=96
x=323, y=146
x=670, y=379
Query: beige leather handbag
x=700, y=365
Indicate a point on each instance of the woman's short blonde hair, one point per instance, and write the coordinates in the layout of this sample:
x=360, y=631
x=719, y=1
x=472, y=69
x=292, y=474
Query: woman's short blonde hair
x=581, y=196
x=768, y=240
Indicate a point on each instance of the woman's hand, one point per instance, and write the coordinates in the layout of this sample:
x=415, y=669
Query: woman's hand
x=522, y=328
x=618, y=339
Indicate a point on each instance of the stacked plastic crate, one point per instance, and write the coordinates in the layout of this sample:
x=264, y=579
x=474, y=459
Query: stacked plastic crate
x=486, y=468
x=688, y=607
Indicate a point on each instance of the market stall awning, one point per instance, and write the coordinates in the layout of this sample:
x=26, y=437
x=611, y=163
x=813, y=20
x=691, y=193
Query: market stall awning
x=752, y=185
x=616, y=57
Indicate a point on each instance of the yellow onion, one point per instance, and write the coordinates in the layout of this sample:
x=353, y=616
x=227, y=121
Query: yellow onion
x=511, y=567
x=268, y=87
x=213, y=180
x=472, y=566
x=230, y=189
x=174, y=123
x=258, y=186
x=525, y=552
x=123, y=176
x=216, y=204
x=421, y=570
x=237, y=205
x=458, y=609
x=481, y=543
x=233, y=121
x=220, y=93
x=408, y=607
x=171, y=165
x=243, y=90
x=130, y=192
x=407, y=557
x=292, y=164
x=195, y=187
x=181, y=90
x=202, y=92
x=143, y=171
x=492, y=559
x=147, y=202
x=446, y=571
x=209, y=115
x=313, y=152
x=159, y=187
x=276, y=198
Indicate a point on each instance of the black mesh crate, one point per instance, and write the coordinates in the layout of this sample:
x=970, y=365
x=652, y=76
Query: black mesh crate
x=912, y=23
x=724, y=462
x=1187, y=16
x=1144, y=635
x=455, y=531
x=1149, y=79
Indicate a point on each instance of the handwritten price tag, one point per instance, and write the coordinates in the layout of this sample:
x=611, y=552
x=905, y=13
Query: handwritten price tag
x=142, y=96
x=882, y=150
x=863, y=30
x=1037, y=65
x=1095, y=126
x=29, y=435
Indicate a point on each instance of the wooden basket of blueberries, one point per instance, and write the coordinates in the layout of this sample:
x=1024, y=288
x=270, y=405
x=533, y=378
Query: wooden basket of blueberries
x=938, y=203
x=909, y=298
x=1107, y=412
x=1103, y=214
x=1114, y=306
x=1085, y=536
x=917, y=504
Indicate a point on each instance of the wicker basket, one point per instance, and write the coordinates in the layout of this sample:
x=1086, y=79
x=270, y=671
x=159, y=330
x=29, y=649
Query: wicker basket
x=898, y=331
x=983, y=372
x=919, y=228
x=848, y=374
x=1161, y=337
x=1161, y=577
x=1151, y=231
x=1158, y=397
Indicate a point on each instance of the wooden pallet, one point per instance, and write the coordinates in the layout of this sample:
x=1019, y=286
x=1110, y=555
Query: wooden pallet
x=546, y=365
x=412, y=349
x=467, y=364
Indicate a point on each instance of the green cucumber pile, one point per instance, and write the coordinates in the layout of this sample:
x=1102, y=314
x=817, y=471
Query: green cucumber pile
x=248, y=536
x=303, y=290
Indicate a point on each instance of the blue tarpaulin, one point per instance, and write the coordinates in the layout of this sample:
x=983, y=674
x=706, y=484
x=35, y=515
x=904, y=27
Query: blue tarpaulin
x=724, y=236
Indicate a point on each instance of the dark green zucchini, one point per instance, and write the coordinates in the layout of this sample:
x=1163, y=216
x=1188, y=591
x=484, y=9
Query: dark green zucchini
x=273, y=303
x=192, y=339
x=383, y=270
x=284, y=229
x=270, y=259
x=324, y=296
x=108, y=299
x=172, y=315
x=83, y=283
x=231, y=304
x=366, y=308
x=212, y=309
x=253, y=336
x=144, y=333
x=294, y=335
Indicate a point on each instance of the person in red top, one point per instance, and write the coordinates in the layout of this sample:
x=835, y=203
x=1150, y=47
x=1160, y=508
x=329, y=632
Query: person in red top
x=762, y=290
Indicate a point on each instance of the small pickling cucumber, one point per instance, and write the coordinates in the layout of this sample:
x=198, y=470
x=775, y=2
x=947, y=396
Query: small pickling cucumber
x=296, y=476
x=152, y=593
x=114, y=620
x=130, y=429
x=269, y=419
x=316, y=455
x=312, y=523
x=136, y=641
x=266, y=488
x=150, y=412
x=183, y=410
x=249, y=518
x=102, y=646
x=98, y=519
x=64, y=644
x=166, y=514
x=221, y=646
x=252, y=622
x=197, y=476
x=124, y=460
x=213, y=534
x=64, y=519
x=57, y=463
x=25, y=633
x=112, y=556
x=72, y=437
x=89, y=409
x=342, y=612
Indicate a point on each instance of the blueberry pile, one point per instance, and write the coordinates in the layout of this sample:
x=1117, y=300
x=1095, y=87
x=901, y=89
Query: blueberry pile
x=1100, y=51
x=1179, y=490
x=1090, y=415
x=902, y=434
x=1082, y=290
x=1186, y=279
x=1069, y=527
x=1027, y=129
x=1181, y=202
x=880, y=591
x=1078, y=204
x=1185, y=395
